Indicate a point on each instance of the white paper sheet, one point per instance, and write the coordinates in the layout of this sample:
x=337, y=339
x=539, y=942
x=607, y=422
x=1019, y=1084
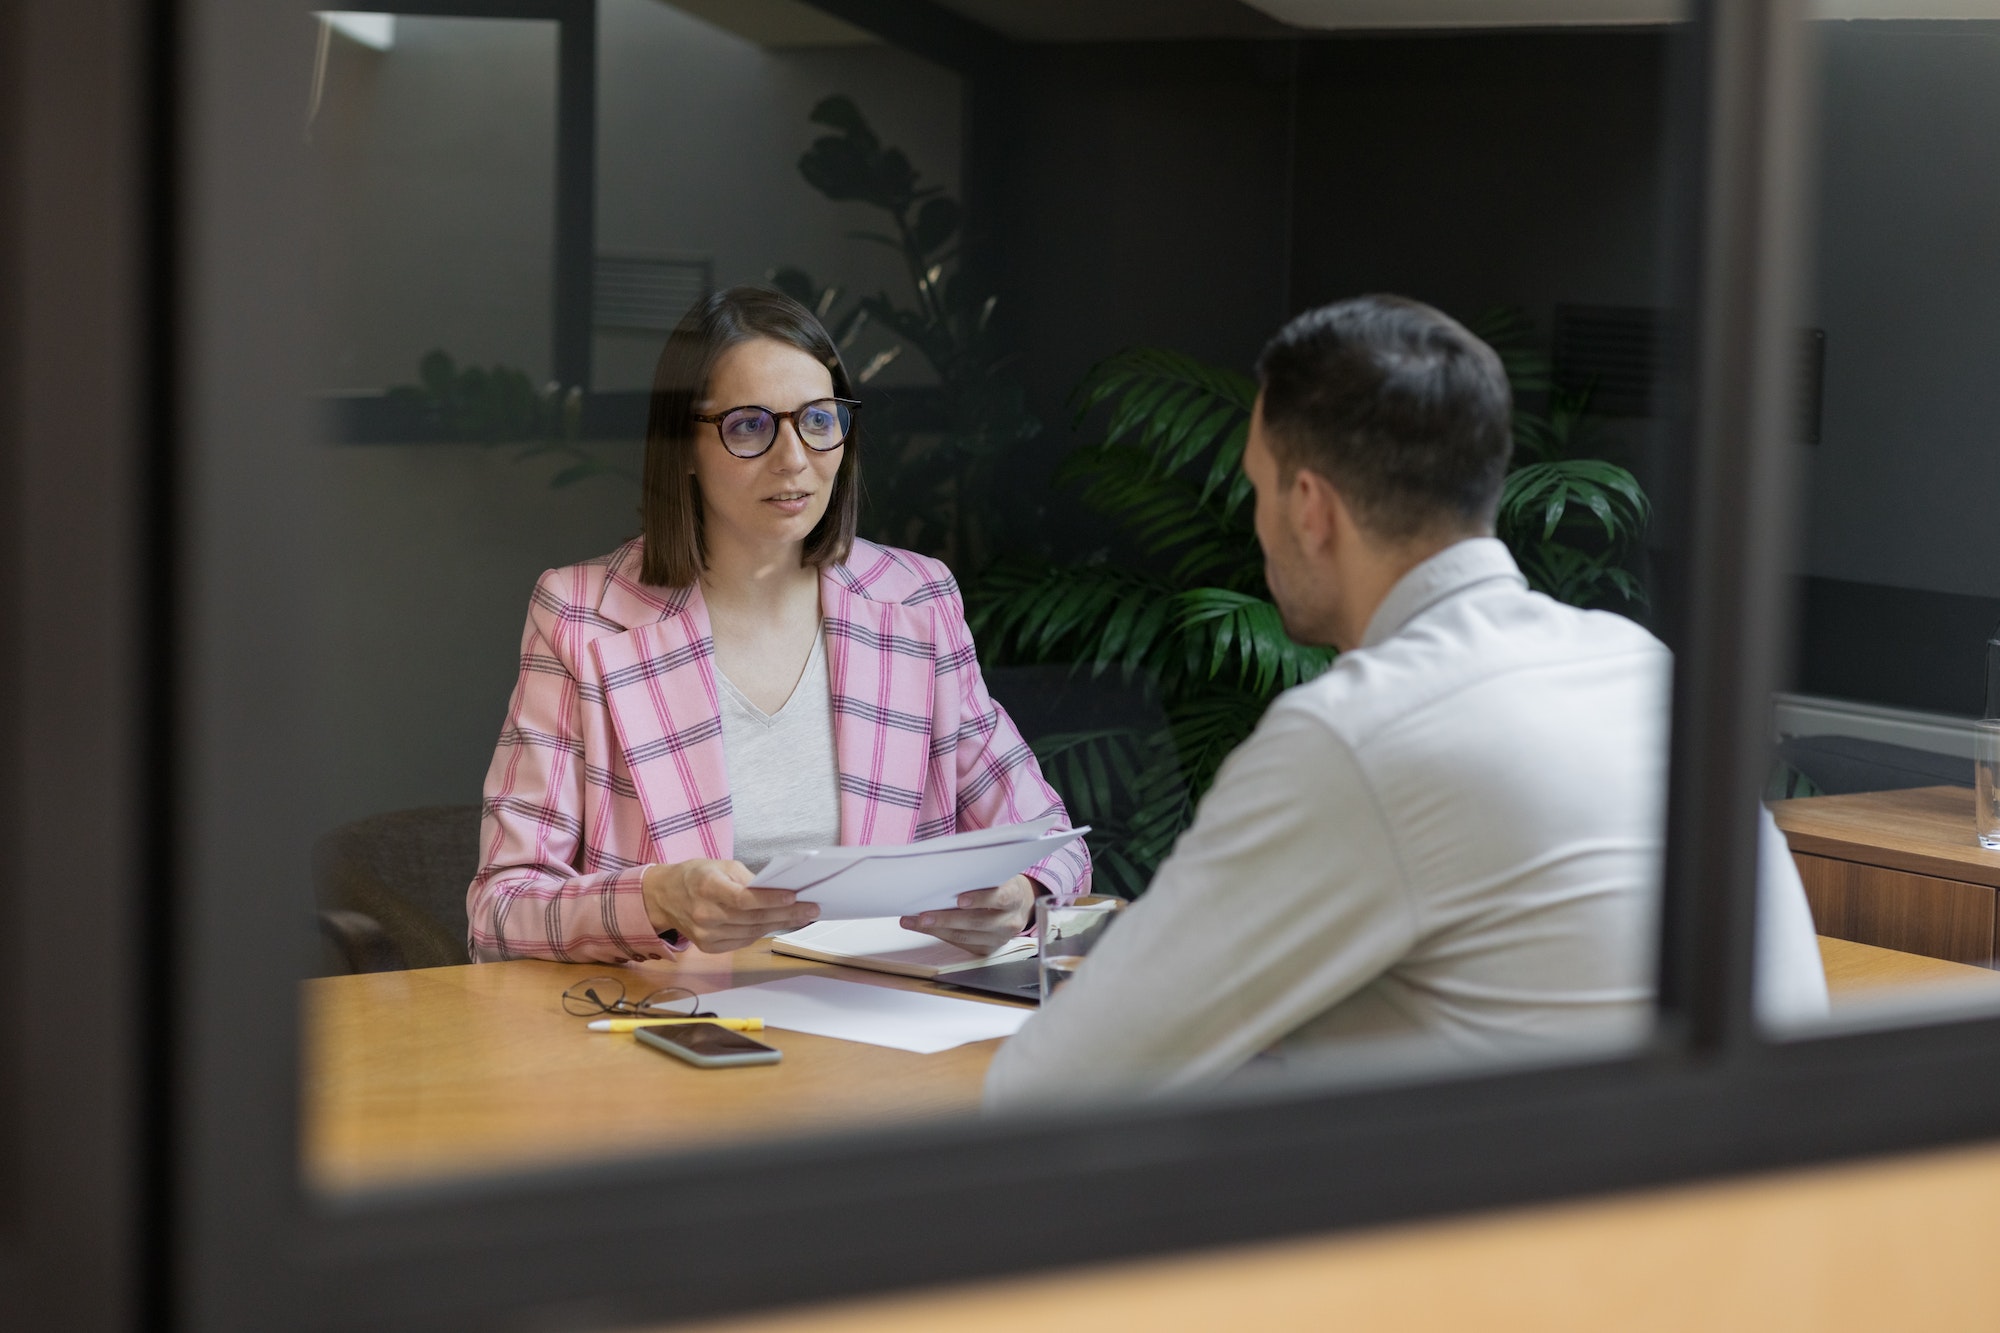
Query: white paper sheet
x=876, y=1015
x=878, y=942
x=851, y=882
x=795, y=870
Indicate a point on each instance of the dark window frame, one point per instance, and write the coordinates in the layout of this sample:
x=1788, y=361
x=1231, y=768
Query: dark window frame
x=136, y=577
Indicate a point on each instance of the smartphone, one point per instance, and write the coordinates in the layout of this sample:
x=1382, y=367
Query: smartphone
x=709, y=1045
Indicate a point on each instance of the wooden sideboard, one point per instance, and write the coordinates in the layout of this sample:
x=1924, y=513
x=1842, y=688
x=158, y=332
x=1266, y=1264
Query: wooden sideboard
x=1898, y=869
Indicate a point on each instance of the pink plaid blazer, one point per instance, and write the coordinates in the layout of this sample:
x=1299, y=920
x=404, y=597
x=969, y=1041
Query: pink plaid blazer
x=611, y=758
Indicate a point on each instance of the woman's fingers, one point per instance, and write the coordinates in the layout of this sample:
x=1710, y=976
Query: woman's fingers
x=718, y=911
x=984, y=919
x=719, y=902
x=975, y=931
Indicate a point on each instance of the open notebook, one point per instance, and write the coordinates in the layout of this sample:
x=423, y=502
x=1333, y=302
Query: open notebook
x=879, y=944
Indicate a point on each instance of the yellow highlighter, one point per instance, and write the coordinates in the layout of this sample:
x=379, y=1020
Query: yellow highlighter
x=633, y=1024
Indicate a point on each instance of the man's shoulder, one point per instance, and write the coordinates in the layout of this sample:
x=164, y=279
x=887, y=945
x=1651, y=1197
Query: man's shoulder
x=1507, y=639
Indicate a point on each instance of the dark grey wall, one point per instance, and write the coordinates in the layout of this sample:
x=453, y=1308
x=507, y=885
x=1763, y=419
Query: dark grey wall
x=1193, y=195
x=1908, y=289
x=1902, y=547
x=1143, y=201
x=1475, y=171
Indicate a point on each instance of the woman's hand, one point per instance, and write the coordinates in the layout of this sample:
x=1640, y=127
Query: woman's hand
x=984, y=919
x=713, y=906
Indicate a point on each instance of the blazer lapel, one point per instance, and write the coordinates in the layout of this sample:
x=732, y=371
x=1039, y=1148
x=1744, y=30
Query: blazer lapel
x=659, y=685
x=881, y=668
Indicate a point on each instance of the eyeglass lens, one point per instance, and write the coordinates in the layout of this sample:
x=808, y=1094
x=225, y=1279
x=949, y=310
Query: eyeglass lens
x=606, y=995
x=822, y=425
x=594, y=995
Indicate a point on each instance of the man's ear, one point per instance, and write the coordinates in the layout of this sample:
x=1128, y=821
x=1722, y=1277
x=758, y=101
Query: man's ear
x=1319, y=514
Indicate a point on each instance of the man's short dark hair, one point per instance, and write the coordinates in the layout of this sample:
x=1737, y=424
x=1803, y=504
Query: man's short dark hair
x=1399, y=406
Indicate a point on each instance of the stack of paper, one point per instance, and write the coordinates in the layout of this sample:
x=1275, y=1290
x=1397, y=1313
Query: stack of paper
x=879, y=944
x=877, y=1015
x=850, y=882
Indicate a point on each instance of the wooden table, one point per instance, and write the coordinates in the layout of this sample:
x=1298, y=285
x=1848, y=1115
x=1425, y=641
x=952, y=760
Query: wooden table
x=1855, y=971
x=453, y=1071
x=1899, y=869
x=448, y=1071
x=1857, y=1247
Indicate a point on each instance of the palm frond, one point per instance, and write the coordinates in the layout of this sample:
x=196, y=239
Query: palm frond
x=1226, y=632
x=1510, y=332
x=1092, y=770
x=1170, y=407
x=1207, y=728
x=1095, y=617
x=1539, y=497
x=1127, y=783
x=1163, y=511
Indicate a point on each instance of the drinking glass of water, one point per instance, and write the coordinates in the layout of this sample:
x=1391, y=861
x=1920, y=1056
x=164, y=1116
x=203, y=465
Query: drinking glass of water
x=1067, y=933
x=1986, y=782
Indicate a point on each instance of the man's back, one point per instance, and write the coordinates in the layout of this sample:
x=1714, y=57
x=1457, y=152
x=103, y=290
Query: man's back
x=1453, y=833
x=1514, y=749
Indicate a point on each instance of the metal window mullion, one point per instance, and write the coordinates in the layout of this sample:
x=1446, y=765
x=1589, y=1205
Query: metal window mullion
x=1744, y=359
x=575, y=192
x=79, y=261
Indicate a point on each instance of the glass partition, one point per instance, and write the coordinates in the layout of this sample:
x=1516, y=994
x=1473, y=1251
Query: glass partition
x=458, y=472
x=433, y=143
x=1050, y=321
x=1879, y=735
x=270, y=648
x=359, y=641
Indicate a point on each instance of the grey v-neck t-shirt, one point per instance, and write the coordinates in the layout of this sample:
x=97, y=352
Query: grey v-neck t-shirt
x=784, y=785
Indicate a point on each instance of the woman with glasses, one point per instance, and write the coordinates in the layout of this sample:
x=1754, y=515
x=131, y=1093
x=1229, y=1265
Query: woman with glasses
x=746, y=679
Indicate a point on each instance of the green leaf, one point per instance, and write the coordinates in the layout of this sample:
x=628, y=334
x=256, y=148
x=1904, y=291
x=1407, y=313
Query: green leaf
x=795, y=283
x=437, y=373
x=937, y=222
x=840, y=113
x=1138, y=408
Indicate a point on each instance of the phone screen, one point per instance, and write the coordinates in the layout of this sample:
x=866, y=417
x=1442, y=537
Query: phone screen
x=709, y=1039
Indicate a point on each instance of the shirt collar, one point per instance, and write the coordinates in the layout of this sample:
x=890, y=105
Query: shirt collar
x=1452, y=570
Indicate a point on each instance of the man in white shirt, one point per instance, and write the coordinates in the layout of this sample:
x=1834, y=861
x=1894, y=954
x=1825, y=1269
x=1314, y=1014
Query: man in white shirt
x=1454, y=834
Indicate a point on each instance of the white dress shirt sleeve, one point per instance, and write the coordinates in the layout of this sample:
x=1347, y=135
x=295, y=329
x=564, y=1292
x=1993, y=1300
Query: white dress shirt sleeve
x=1284, y=897
x=1790, y=979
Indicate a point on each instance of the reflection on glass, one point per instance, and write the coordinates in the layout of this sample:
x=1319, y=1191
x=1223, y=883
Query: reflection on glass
x=434, y=144
x=1881, y=772
x=1065, y=933
x=1377, y=758
x=1986, y=782
x=700, y=131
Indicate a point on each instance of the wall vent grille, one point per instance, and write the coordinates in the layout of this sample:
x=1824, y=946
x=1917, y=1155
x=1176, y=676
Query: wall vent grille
x=647, y=293
x=1614, y=352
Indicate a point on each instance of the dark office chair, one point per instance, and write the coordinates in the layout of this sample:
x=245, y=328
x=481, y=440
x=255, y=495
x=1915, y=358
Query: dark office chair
x=391, y=888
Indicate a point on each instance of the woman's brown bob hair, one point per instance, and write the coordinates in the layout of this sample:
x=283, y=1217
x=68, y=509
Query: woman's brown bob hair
x=675, y=553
